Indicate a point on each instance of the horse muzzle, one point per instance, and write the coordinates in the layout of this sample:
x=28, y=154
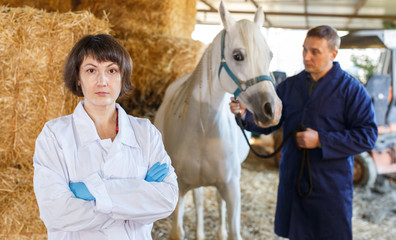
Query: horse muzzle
x=269, y=112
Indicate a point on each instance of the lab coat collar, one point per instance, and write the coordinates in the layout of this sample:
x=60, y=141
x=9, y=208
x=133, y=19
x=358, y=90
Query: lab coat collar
x=126, y=135
x=86, y=131
x=84, y=126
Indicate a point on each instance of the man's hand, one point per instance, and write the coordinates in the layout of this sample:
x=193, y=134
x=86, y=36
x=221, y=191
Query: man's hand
x=236, y=107
x=308, y=139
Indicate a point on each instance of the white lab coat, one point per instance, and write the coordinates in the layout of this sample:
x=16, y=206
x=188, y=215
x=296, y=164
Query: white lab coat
x=69, y=150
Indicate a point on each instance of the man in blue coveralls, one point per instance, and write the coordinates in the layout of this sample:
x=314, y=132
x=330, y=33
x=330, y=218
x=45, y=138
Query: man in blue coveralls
x=340, y=122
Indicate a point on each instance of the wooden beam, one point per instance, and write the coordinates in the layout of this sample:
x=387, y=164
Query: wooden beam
x=356, y=11
x=365, y=16
x=305, y=12
x=299, y=28
x=211, y=7
x=269, y=24
x=255, y=3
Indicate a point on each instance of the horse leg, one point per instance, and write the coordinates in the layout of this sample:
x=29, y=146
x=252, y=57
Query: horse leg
x=177, y=231
x=231, y=193
x=222, y=231
x=198, y=194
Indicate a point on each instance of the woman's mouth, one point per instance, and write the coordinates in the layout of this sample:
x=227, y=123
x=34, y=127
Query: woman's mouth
x=102, y=93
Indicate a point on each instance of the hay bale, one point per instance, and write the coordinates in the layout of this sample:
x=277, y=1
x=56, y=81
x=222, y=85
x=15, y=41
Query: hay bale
x=53, y=5
x=18, y=209
x=157, y=34
x=157, y=61
x=157, y=17
x=33, y=47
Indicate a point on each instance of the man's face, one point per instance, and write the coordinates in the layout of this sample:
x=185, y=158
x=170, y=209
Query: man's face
x=318, y=57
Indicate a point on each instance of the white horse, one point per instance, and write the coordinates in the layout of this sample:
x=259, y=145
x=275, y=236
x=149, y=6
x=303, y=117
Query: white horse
x=199, y=131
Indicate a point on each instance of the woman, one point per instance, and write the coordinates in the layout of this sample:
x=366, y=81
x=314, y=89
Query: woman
x=100, y=173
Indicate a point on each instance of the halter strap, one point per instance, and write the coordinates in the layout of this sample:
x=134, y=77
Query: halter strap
x=242, y=85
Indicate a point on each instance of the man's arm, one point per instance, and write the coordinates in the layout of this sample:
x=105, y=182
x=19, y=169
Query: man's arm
x=248, y=118
x=361, y=129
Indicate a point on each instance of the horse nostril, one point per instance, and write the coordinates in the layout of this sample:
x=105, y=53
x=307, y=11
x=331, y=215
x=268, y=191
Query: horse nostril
x=268, y=109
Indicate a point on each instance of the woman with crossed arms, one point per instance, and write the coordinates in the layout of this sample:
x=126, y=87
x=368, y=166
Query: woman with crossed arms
x=100, y=173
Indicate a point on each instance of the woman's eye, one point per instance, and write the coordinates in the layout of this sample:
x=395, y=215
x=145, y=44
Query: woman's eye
x=238, y=56
x=90, y=70
x=113, y=71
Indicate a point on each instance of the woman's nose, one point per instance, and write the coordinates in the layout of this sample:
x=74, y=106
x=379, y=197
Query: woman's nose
x=102, y=80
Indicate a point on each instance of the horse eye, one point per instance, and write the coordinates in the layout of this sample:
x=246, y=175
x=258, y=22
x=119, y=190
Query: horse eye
x=238, y=56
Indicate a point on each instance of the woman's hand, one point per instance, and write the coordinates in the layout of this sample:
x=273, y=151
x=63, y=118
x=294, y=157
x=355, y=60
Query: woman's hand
x=157, y=172
x=81, y=191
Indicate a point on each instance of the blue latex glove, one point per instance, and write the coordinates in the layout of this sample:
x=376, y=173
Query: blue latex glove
x=81, y=191
x=157, y=172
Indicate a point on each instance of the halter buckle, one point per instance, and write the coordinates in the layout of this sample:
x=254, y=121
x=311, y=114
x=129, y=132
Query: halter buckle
x=243, y=86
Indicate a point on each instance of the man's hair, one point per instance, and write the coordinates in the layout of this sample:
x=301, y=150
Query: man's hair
x=101, y=47
x=328, y=33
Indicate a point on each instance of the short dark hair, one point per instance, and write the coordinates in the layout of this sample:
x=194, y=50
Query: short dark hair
x=327, y=32
x=101, y=47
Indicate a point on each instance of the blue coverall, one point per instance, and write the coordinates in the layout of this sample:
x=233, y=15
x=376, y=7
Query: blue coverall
x=341, y=110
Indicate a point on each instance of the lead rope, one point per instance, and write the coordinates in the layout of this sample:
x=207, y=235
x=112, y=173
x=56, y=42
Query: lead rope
x=240, y=124
x=304, y=157
x=304, y=160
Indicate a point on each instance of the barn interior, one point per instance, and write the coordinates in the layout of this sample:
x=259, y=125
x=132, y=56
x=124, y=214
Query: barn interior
x=36, y=36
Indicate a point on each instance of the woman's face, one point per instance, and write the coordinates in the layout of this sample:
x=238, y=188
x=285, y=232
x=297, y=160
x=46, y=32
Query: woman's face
x=100, y=82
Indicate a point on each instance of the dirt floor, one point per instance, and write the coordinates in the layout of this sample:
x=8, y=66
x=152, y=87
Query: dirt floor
x=374, y=210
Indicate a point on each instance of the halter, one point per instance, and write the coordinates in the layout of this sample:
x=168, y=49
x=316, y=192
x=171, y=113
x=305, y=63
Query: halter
x=242, y=85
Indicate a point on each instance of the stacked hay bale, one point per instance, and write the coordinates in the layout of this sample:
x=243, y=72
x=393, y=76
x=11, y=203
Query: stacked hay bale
x=33, y=47
x=157, y=17
x=158, y=61
x=49, y=5
x=157, y=34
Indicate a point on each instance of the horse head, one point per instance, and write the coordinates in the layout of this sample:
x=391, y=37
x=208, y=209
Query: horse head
x=244, y=68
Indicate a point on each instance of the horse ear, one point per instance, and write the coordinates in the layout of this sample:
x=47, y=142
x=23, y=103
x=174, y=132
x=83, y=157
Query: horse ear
x=259, y=17
x=226, y=17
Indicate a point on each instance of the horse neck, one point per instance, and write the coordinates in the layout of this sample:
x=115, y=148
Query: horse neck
x=207, y=84
x=207, y=99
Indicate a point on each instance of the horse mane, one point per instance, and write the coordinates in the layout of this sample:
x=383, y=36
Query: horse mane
x=256, y=45
x=181, y=96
